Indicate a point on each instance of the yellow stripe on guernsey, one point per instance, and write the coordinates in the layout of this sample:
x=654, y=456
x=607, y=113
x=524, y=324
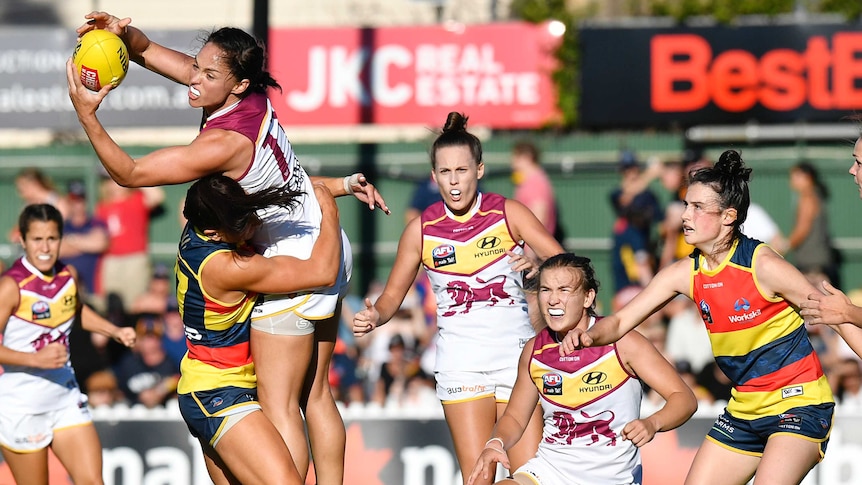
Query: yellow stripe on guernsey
x=593, y=381
x=471, y=255
x=209, y=377
x=753, y=405
x=741, y=342
x=219, y=315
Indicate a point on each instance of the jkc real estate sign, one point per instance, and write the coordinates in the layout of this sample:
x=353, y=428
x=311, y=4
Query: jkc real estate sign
x=765, y=73
x=498, y=74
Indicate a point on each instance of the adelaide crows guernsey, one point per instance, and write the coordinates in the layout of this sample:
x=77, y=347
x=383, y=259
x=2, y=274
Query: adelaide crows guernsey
x=217, y=332
x=481, y=311
x=45, y=314
x=587, y=398
x=759, y=341
x=284, y=231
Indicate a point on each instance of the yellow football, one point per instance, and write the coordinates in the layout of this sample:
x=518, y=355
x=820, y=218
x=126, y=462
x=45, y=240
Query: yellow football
x=101, y=58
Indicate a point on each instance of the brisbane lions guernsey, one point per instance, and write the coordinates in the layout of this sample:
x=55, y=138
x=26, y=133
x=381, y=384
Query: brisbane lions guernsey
x=273, y=164
x=481, y=310
x=587, y=398
x=759, y=341
x=217, y=332
x=45, y=314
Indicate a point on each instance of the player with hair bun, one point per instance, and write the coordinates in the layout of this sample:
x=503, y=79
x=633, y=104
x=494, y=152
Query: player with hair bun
x=777, y=423
x=471, y=245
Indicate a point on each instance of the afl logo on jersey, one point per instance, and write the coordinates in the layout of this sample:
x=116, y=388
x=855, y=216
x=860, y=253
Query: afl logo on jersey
x=41, y=310
x=552, y=384
x=741, y=305
x=704, y=311
x=443, y=255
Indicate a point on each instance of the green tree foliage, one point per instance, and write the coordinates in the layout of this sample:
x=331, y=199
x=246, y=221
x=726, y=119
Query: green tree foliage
x=566, y=78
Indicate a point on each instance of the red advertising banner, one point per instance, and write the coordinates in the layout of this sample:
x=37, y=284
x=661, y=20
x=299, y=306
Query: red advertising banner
x=682, y=76
x=498, y=74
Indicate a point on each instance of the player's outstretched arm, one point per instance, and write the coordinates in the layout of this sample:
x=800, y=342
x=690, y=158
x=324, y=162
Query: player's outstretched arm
x=171, y=64
x=356, y=185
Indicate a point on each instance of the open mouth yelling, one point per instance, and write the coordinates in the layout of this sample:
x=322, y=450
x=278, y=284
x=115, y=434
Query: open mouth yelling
x=194, y=93
x=456, y=194
x=556, y=312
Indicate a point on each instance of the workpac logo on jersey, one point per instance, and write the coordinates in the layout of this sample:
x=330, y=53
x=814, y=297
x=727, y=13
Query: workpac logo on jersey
x=741, y=305
x=443, y=255
x=552, y=384
x=41, y=310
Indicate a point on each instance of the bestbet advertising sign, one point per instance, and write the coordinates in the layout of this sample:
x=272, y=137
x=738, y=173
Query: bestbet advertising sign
x=721, y=74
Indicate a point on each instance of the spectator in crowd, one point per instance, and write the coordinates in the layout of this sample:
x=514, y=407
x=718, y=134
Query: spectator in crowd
x=848, y=383
x=408, y=324
x=400, y=367
x=633, y=195
x=155, y=299
x=35, y=187
x=674, y=178
x=102, y=389
x=533, y=187
x=174, y=336
x=831, y=306
x=425, y=193
x=85, y=238
x=761, y=226
x=126, y=269
x=632, y=262
x=810, y=240
x=146, y=375
x=344, y=377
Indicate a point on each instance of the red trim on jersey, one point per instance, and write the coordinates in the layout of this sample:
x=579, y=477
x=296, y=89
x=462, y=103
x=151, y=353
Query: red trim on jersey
x=802, y=371
x=221, y=357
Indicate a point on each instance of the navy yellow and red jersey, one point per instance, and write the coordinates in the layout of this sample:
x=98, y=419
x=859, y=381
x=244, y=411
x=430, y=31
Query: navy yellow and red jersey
x=759, y=341
x=217, y=332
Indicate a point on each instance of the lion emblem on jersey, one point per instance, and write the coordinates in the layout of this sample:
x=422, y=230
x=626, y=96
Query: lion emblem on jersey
x=463, y=295
x=592, y=427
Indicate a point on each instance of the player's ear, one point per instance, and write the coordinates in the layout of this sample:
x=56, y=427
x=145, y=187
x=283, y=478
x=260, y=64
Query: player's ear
x=240, y=87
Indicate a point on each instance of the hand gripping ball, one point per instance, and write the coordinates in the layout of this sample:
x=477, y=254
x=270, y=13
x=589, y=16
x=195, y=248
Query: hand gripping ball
x=101, y=58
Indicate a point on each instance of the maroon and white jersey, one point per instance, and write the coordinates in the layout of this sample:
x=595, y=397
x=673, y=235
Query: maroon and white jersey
x=481, y=311
x=289, y=232
x=587, y=398
x=45, y=314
